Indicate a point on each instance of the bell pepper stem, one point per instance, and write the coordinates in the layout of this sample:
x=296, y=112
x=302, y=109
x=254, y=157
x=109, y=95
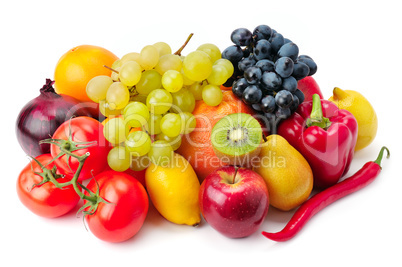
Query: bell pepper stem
x=316, y=116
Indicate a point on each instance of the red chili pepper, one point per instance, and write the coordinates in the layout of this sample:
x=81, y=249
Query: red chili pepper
x=308, y=209
x=326, y=137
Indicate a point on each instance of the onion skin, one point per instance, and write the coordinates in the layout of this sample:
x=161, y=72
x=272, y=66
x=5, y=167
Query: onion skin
x=41, y=116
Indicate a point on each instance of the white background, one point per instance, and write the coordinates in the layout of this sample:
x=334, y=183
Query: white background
x=356, y=44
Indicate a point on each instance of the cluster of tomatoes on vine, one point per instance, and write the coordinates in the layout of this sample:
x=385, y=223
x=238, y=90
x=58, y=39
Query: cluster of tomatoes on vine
x=115, y=204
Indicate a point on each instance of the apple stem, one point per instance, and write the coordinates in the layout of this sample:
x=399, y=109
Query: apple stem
x=234, y=176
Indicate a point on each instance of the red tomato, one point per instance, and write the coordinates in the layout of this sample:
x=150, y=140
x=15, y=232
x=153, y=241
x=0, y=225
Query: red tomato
x=83, y=129
x=45, y=200
x=124, y=216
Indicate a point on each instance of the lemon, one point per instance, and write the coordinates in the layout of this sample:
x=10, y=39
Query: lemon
x=174, y=190
x=362, y=110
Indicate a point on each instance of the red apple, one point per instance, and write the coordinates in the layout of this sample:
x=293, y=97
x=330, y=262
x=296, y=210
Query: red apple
x=234, y=201
x=309, y=87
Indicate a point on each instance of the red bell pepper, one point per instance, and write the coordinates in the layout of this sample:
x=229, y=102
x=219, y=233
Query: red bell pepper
x=325, y=135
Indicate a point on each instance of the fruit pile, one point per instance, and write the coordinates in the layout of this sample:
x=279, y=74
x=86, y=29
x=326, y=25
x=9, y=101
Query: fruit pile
x=267, y=68
x=115, y=131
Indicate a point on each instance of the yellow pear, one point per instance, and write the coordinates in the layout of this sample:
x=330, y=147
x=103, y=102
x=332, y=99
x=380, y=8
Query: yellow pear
x=286, y=172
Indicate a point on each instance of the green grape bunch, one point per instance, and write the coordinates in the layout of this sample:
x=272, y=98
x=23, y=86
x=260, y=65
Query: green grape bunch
x=149, y=98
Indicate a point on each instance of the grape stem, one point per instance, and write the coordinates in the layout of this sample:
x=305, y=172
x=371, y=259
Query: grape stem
x=109, y=68
x=178, y=52
x=133, y=91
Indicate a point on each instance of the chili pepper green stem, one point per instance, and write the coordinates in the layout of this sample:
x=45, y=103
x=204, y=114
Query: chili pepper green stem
x=316, y=116
x=380, y=155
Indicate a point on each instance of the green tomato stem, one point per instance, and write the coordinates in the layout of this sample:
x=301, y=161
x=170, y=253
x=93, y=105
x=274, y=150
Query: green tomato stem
x=81, y=159
x=66, y=148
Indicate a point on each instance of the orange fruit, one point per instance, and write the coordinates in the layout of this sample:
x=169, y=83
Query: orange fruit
x=196, y=147
x=79, y=65
x=224, y=88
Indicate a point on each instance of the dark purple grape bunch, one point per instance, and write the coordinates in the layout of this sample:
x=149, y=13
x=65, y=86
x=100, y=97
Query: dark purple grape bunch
x=267, y=68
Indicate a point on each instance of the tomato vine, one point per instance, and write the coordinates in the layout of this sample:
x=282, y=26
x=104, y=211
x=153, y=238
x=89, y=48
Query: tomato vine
x=66, y=148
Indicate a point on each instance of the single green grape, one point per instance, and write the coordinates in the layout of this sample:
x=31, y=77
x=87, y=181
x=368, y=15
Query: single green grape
x=115, y=130
x=116, y=64
x=175, y=142
x=172, y=81
x=119, y=159
x=227, y=64
x=212, y=50
x=106, y=111
x=183, y=100
x=219, y=75
x=138, y=143
x=161, y=153
x=150, y=80
x=186, y=80
x=168, y=62
x=136, y=114
x=171, y=124
x=117, y=95
x=212, y=95
x=97, y=87
x=149, y=57
x=130, y=73
x=159, y=101
x=197, y=65
x=132, y=56
x=139, y=98
x=196, y=90
x=115, y=74
x=189, y=122
x=163, y=48
x=154, y=124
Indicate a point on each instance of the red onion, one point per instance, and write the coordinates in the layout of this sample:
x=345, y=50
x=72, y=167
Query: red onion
x=41, y=116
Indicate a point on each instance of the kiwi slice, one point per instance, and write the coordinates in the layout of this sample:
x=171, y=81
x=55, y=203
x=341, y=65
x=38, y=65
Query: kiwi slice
x=236, y=139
